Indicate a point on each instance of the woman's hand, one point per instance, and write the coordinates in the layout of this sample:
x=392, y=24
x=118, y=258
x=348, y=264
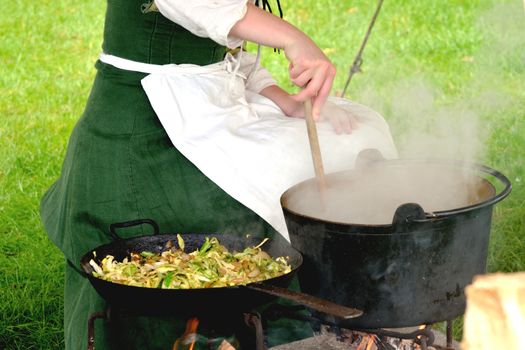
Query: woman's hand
x=311, y=70
x=309, y=67
x=342, y=121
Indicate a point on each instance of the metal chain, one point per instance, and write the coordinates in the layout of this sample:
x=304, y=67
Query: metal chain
x=358, y=61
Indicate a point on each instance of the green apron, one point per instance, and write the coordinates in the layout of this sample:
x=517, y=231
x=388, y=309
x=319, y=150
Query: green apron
x=121, y=166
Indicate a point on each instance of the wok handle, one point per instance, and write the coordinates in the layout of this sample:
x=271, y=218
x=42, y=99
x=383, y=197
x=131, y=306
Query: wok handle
x=307, y=300
x=113, y=227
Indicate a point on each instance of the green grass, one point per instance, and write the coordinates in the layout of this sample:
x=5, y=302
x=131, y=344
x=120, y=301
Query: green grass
x=454, y=70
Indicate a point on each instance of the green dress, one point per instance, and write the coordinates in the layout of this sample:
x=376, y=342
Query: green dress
x=120, y=165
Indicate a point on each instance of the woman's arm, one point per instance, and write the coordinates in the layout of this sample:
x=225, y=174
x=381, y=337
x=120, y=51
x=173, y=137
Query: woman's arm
x=290, y=106
x=342, y=121
x=228, y=22
x=309, y=67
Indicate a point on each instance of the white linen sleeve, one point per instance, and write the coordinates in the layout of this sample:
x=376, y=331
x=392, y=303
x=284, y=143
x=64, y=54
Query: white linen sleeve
x=257, y=77
x=206, y=18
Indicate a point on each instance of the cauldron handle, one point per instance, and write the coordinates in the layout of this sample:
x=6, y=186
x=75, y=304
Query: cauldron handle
x=368, y=156
x=113, y=227
x=405, y=214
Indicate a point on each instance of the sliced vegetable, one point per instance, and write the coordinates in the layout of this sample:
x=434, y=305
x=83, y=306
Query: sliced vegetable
x=180, y=241
x=212, y=265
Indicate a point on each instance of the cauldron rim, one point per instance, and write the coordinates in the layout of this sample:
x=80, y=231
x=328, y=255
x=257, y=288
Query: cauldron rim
x=430, y=216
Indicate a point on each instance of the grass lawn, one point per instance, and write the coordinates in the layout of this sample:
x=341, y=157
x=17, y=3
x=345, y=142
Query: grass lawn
x=452, y=71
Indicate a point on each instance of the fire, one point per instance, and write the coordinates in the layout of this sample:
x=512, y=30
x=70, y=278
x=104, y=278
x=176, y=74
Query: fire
x=367, y=343
x=188, y=339
x=371, y=343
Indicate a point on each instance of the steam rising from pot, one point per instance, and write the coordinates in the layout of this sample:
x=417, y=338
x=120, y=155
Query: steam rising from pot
x=370, y=194
x=427, y=126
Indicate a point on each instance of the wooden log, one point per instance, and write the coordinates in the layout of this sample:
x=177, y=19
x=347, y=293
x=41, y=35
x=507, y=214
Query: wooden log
x=495, y=314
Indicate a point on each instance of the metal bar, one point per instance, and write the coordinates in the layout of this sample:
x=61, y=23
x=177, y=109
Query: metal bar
x=254, y=320
x=450, y=336
x=292, y=313
x=91, y=327
x=423, y=343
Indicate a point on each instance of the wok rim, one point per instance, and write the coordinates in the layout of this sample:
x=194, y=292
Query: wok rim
x=88, y=269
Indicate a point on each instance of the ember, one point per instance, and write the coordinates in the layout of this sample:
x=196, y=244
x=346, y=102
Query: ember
x=333, y=338
x=373, y=342
x=364, y=341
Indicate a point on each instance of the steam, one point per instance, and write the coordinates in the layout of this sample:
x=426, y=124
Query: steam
x=426, y=126
x=371, y=194
x=431, y=131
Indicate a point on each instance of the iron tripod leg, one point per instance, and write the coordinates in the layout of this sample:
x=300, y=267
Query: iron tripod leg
x=91, y=326
x=424, y=337
x=423, y=343
x=254, y=320
x=450, y=336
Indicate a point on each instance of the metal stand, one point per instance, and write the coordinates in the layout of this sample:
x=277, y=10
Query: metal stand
x=450, y=336
x=253, y=320
x=91, y=326
x=423, y=337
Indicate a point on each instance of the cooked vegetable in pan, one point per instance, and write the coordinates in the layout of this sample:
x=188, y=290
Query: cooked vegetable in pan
x=211, y=266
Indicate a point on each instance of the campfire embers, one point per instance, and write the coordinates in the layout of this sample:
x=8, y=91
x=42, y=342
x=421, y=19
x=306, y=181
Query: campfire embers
x=333, y=336
x=330, y=338
x=327, y=337
x=418, y=339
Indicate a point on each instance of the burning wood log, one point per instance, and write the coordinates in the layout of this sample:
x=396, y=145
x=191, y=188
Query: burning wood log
x=225, y=346
x=495, y=315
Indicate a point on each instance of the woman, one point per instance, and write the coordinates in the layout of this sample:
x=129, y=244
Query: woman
x=121, y=166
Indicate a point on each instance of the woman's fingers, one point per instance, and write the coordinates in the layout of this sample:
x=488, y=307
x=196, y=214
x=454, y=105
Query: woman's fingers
x=296, y=70
x=346, y=124
x=311, y=70
x=353, y=121
x=310, y=90
x=336, y=124
x=342, y=120
x=302, y=79
x=322, y=94
x=316, y=82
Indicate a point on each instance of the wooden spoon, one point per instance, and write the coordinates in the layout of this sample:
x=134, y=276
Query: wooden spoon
x=315, y=150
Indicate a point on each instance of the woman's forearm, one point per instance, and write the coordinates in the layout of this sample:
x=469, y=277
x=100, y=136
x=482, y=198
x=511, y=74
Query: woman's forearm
x=266, y=29
x=284, y=100
x=309, y=67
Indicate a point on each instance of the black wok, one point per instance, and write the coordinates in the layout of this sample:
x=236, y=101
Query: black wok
x=240, y=298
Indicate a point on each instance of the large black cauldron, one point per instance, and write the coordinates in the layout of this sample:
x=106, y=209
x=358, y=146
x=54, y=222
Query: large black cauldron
x=410, y=270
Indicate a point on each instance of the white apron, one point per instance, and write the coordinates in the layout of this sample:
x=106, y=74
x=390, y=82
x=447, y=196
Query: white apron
x=241, y=140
